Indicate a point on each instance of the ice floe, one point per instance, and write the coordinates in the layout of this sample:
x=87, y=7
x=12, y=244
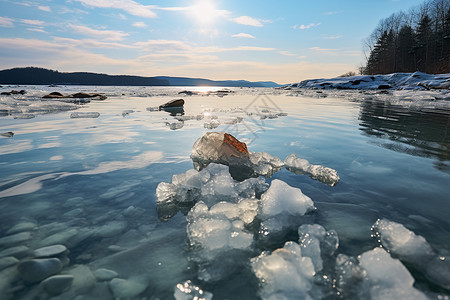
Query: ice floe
x=188, y=291
x=318, y=172
x=387, y=278
x=281, y=207
x=285, y=273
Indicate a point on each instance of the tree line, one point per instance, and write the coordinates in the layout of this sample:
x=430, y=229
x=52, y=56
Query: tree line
x=416, y=40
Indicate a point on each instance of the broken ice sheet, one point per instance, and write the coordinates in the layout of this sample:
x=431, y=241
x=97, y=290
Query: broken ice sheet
x=79, y=115
x=302, y=166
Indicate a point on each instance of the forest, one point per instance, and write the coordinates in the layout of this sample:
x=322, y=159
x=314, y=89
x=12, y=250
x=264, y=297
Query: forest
x=416, y=40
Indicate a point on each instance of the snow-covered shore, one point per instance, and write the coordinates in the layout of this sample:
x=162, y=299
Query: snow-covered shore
x=398, y=81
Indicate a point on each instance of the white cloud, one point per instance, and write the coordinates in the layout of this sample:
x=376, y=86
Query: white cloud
x=249, y=21
x=33, y=22
x=332, y=37
x=129, y=6
x=6, y=22
x=139, y=24
x=45, y=8
x=302, y=27
x=287, y=53
x=335, y=52
x=243, y=35
x=37, y=30
x=107, y=35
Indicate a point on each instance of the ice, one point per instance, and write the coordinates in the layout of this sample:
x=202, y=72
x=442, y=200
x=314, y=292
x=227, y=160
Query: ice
x=265, y=164
x=281, y=205
x=414, y=249
x=317, y=243
x=402, y=242
x=222, y=148
x=78, y=115
x=349, y=275
x=216, y=234
x=317, y=172
x=285, y=273
x=387, y=278
x=188, y=291
x=212, y=184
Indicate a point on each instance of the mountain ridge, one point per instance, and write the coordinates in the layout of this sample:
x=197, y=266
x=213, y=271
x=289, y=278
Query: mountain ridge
x=43, y=76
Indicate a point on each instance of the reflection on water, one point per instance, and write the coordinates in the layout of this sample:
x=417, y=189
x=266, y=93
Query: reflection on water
x=424, y=133
x=90, y=183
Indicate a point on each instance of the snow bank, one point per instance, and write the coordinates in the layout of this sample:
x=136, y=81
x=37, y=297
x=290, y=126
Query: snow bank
x=317, y=172
x=284, y=273
x=401, y=81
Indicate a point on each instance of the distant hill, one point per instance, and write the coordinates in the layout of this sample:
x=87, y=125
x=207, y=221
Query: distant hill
x=41, y=76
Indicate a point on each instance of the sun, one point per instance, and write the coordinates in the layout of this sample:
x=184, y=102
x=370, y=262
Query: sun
x=204, y=12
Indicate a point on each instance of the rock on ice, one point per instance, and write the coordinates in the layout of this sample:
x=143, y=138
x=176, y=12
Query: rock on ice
x=317, y=172
x=285, y=273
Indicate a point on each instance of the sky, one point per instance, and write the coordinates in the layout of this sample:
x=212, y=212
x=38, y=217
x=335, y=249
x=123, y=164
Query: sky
x=256, y=40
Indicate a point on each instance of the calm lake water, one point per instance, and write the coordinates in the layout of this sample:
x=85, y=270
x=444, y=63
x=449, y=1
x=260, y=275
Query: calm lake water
x=89, y=183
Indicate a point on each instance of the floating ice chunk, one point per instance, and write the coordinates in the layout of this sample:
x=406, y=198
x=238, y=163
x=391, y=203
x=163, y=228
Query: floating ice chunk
x=402, y=242
x=414, y=249
x=280, y=205
x=127, y=112
x=281, y=199
x=218, y=234
x=387, y=278
x=317, y=172
x=349, y=276
x=285, y=273
x=175, y=125
x=212, y=124
x=188, y=291
x=212, y=184
x=316, y=243
x=78, y=115
x=264, y=163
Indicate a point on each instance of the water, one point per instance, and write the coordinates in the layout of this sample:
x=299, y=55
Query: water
x=89, y=183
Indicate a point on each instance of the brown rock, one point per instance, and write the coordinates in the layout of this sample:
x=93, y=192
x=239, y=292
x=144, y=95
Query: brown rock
x=172, y=103
x=54, y=95
x=234, y=143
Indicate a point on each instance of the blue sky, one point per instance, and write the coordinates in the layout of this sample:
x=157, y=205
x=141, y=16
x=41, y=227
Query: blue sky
x=282, y=41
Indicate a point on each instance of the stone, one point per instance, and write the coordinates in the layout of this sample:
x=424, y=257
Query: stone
x=218, y=147
x=15, y=238
x=54, y=95
x=21, y=227
x=36, y=270
x=8, y=261
x=86, y=95
x=130, y=288
x=172, y=103
x=57, y=284
x=17, y=251
x=50, y=251
x=8, y=134
x=105, y=274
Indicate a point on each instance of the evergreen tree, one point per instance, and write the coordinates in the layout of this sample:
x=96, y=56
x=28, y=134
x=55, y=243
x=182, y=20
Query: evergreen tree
x=405, y=50
x=423, y=43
